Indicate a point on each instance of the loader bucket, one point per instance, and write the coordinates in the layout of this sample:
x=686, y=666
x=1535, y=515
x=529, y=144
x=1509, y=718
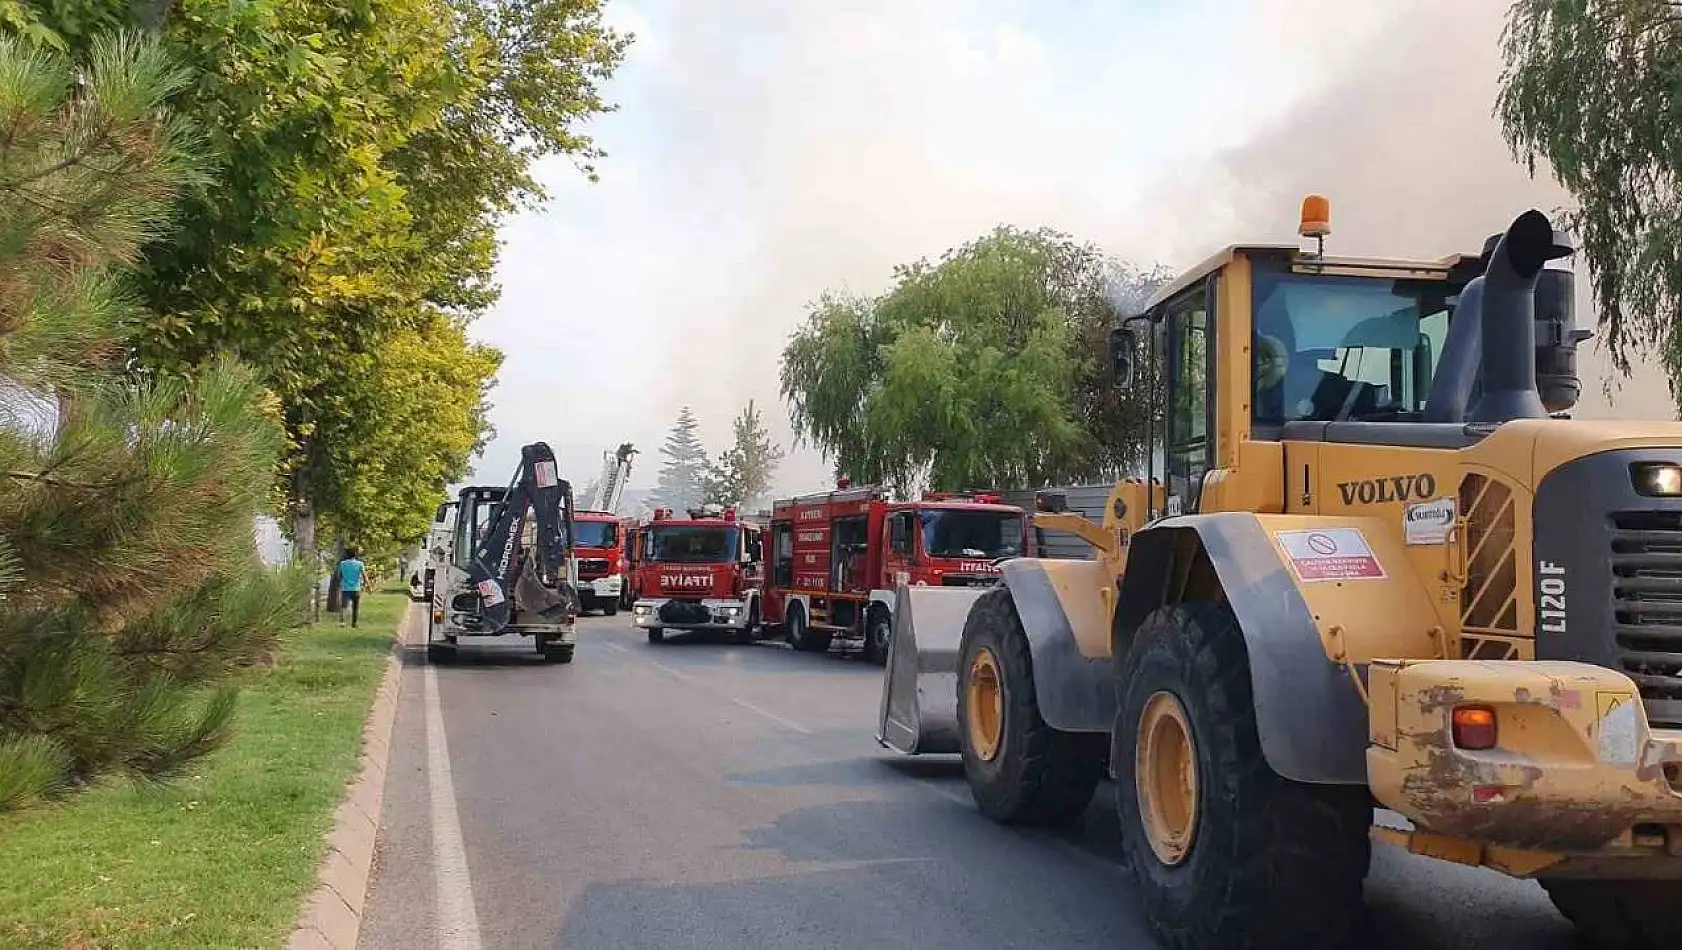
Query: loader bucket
x=920, y=685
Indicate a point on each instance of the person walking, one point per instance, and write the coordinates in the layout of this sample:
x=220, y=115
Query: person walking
x=351, y=570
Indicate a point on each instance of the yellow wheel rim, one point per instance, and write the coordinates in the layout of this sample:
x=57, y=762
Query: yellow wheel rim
x=1165, y=772
x=984, y=700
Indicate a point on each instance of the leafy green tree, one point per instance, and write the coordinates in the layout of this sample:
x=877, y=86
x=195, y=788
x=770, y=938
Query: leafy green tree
x=129, y=574
x=1590, y=88
x=742, y=475
x=683, y=472
x=987, y=368
x=367, y=153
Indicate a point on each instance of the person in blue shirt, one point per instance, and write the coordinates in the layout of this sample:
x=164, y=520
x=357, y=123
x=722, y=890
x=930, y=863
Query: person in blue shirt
x=351, y=570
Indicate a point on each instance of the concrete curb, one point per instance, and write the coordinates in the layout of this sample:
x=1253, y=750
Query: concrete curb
x=332, y=917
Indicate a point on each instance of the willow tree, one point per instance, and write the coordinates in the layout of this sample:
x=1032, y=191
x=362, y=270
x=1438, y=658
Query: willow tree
x=1591, y=89
x=986, y=368
x=129, y=578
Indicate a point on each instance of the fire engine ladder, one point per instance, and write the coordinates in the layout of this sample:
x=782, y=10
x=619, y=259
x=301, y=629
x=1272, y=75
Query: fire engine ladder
x=610, y=484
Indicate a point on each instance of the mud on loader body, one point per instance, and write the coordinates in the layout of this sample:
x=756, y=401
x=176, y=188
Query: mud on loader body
x=1381, y=569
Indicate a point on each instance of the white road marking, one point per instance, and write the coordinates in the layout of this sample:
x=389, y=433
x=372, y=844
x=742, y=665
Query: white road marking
x=677, y=673
x=750, y=707
x=617, y=647
x=458, y=922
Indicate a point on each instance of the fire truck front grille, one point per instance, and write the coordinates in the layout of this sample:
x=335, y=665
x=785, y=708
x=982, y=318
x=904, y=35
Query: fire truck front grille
x=969, y=580
x=684, y=611
x=1647, y=606
x=592, y=567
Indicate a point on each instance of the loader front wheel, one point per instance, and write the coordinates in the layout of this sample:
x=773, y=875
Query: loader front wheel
x=1620, y=913
x=1020, y=770
x=1223, y=852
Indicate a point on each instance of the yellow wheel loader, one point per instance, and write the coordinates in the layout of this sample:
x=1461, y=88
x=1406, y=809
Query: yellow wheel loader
x=1380, y=571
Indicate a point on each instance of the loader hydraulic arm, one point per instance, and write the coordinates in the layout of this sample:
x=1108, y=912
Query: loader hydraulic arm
x=535, y=581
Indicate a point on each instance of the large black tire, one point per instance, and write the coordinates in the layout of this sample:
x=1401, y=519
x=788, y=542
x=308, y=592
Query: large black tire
x=610, y=607
x=558, y=653
x=803, y=637
x=878, y=631
x=656, y=634
x=1269, y=863
x=1621, y=913
x=1038, y=776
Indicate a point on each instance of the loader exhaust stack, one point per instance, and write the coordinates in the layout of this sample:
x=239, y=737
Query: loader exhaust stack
x=1507, y=355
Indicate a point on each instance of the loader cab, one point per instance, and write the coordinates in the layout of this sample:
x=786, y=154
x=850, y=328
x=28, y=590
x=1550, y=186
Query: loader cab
x=476, y=508
x=1265, y=344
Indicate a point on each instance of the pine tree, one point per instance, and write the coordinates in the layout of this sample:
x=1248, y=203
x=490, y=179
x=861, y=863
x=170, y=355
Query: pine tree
x=742, y=475
x=129, y=577
x=683, y=472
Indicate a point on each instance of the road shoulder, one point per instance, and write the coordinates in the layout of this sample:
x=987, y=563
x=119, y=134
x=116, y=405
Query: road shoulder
x=332, y=916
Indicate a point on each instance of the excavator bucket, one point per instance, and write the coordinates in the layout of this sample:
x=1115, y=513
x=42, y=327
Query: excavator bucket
x=920, y=685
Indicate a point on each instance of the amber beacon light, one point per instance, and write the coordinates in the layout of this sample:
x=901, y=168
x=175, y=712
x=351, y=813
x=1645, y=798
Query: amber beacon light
x=1316, y=217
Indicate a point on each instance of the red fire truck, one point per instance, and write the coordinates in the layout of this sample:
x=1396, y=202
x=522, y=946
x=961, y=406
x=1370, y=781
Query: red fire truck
x=601, y=566
x=837, y=557
x=702, y=572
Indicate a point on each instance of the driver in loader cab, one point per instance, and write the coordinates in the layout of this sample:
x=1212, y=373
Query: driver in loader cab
x=1290, y=386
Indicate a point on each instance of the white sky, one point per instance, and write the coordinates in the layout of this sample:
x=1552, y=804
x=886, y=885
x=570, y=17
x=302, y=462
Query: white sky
x=765, y=150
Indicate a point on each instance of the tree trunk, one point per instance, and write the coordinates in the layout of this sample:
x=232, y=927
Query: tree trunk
x=151, y=15
x=333, y=589
x=303, y=546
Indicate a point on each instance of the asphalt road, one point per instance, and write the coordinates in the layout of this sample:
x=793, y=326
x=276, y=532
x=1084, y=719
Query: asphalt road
x=718, y=797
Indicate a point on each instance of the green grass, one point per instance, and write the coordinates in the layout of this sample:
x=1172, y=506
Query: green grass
x=224, y=857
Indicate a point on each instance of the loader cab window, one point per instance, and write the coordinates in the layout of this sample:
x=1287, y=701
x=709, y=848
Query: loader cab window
x=473, y=521
x=1190, y=348
x=1333, y=348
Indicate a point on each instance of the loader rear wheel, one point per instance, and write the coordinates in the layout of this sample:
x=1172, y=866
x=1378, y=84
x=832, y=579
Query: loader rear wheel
x=1621, y=913
x=1223, y=852
x=656, y=634
x=1020, y=770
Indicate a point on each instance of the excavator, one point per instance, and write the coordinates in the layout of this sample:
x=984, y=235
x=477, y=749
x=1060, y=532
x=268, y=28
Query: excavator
x=1385, y=589
x=510, y=567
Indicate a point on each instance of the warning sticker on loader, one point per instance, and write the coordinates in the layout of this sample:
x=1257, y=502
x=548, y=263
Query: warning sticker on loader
x=1616, y=735
x=1331, y=554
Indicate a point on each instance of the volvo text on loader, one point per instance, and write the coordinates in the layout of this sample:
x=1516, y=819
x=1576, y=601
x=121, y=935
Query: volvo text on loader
x=511, y=568
x=1381, y=570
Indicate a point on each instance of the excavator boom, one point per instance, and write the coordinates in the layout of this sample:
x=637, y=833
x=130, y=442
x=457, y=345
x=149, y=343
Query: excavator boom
x=538, y=579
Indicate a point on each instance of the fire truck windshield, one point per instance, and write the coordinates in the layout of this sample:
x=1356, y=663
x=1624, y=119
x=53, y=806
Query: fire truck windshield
x=690, y=544
x=957, y=533
x=596, y=534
